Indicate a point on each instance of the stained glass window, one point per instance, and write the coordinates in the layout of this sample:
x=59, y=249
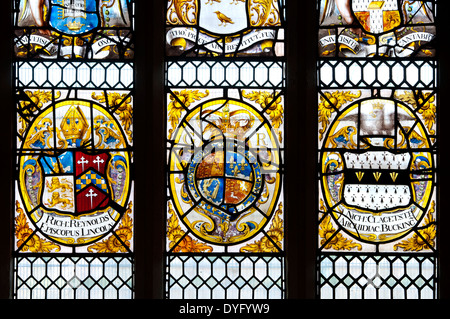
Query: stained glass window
x=215, y=109
x=377, y=150
x=73, y=70
x=225, y=92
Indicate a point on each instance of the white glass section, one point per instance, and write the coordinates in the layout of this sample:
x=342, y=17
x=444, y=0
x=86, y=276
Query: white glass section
x=377, y=277
x=386, y=74
x=225, y=277
x=225, y=73
x=73, y=278
x=102, y=75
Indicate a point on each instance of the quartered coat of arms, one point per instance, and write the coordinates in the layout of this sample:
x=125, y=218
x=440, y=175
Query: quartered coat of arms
x=225, y=177
x=74, y=172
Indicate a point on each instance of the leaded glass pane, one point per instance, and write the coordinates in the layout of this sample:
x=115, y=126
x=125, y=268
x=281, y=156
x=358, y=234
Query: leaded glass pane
x=225, y=149
x=74, y=278
x=74, y=191
x=377, y=146
x=217, y=277
x=361, y=276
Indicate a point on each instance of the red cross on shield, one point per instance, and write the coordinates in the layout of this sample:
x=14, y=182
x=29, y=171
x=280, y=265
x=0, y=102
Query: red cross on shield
x=91, y=182
x=84, y=161
x=91, y=198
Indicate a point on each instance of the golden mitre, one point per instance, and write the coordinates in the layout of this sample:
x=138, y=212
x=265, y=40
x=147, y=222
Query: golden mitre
x=74, y=124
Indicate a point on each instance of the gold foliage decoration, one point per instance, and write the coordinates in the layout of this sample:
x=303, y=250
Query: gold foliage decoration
x=265, y=12
x=179, y=241
x=426, y=103
x=425, y=238
x=179, y=100
x=124, y=232
x=121, y=103
x=28, y=241
x=182, y=12
x=273, y=241
x=35, y=103
x=338, y=242
x=330, y=239
x=331, y=102
x=271, y=104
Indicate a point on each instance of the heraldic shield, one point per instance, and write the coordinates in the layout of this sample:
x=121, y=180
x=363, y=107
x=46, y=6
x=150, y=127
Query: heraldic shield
x=377, y=16
x=75, y=182
x=73, y=16
x=377, y=187
x=74, y=176
x=228, y=179
x=223, y=19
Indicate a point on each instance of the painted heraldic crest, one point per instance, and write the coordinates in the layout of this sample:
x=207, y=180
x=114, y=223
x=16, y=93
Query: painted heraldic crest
x=73, y=16
x=223, y=19
x=75, y=182
x=377, y=16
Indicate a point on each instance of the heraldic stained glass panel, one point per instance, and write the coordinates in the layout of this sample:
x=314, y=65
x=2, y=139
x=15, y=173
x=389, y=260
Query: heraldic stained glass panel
x=74, y=150
x=225, y=144
x=235, y=28
x=377, y=150
x=94, y=29
x=366, y=28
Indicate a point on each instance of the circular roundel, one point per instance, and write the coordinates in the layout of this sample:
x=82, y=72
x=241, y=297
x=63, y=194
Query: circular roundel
x=377, y=170
x=224, y=178
x=74, y=176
